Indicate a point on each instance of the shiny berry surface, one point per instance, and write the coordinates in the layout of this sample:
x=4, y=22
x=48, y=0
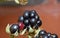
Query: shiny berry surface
x=32, y=13
x=33, y=21
x=42, y=32
x=14, y=28
x=26, y=22
x=39, y=22
x=36, y=17
x=21, y=19
x=26, y=14
x=49, y=34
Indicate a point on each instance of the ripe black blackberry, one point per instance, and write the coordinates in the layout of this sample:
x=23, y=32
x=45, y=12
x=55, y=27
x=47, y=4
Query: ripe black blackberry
x=26, y=14
x=21, y=19
x=14, y=28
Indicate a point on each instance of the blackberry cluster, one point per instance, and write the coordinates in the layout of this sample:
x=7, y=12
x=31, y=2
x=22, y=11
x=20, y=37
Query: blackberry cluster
x=31, y=18
x=44, y=34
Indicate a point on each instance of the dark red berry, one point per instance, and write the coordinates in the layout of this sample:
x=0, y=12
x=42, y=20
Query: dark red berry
x=21, y=25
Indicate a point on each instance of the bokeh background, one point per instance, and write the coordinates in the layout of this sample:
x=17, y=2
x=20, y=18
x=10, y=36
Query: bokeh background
x=49, y=14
